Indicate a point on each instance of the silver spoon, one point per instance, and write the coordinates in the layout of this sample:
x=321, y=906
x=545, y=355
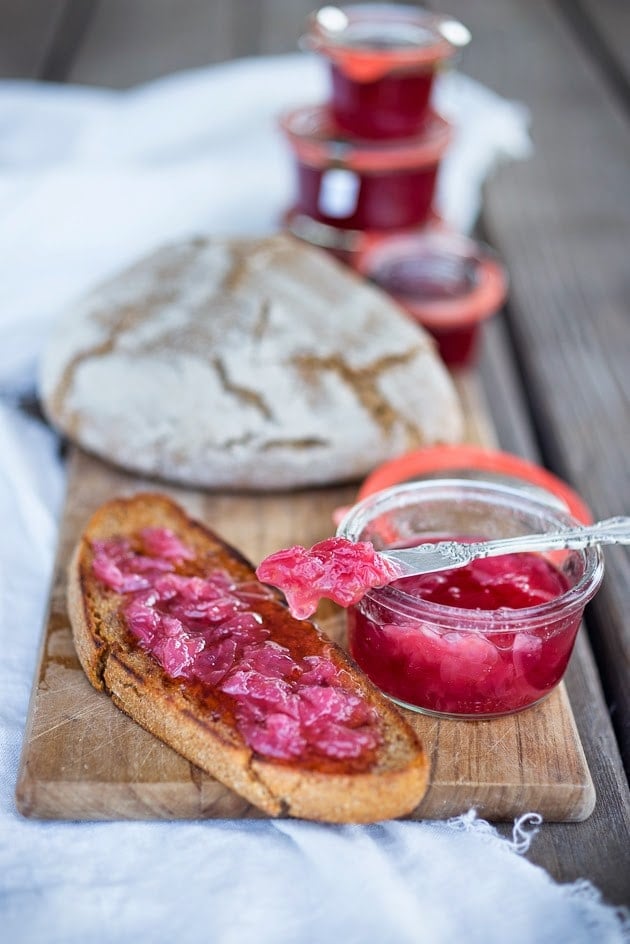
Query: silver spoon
x=444, y=555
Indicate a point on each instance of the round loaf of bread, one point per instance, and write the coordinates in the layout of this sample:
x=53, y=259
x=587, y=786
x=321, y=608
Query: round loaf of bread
x=253, y=363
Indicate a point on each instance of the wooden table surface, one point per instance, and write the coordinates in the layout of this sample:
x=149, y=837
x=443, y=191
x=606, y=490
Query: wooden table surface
x=556, y=364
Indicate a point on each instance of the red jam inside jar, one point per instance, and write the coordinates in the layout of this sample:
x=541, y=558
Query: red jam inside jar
x=446, y=282
x=513, y=669
x=361, y=185
x=394, y=106
x=383, y=60
x=488, y=639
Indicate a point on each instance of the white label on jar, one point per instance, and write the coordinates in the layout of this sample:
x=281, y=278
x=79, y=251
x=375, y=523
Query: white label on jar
x=338, y=193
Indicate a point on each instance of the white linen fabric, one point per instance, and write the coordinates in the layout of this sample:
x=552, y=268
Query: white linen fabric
x=89, y=179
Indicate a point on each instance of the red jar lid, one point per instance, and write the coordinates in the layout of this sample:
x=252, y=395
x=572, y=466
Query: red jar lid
x=318, y=142
x=444, y=279
x=466, y=461
x=369, y=40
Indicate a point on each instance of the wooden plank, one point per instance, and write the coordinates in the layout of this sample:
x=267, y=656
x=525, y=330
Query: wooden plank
x=562, y=221
x=131, y=41
x=604, y=28
x=27, y=30
x=281, y=25
x=128, y=42
x=569, y=853
x=83, y=758
x=66, y=40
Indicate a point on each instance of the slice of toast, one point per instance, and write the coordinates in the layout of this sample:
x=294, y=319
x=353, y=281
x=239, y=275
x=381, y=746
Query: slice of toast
x=389, y=778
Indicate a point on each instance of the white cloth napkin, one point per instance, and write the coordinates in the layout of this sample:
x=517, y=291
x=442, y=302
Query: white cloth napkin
x=89, y=179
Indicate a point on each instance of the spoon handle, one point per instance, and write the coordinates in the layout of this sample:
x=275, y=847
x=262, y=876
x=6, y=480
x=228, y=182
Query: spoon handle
x=611, y=531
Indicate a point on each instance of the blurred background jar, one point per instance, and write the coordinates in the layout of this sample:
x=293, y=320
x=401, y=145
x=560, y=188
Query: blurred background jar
x=446, y=282
x=383, y=61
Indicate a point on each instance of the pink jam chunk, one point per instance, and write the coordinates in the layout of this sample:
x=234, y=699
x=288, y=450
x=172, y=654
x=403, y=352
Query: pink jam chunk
x=161, y=542
x=122, y=569
x=336, y=568
x=466, y=671
x=207, y=630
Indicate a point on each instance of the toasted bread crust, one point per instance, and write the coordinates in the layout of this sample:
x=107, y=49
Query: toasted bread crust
x=172, y=711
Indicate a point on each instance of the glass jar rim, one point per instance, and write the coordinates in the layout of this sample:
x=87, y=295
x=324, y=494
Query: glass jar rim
x=478, y=302
x=473, y=620
x=317, y=142
x=413, y=38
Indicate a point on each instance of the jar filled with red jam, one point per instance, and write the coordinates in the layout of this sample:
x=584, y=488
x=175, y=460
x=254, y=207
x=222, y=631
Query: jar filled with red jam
x=383, y=61
x=480, y=641
x=447, y=282
x=363, y=185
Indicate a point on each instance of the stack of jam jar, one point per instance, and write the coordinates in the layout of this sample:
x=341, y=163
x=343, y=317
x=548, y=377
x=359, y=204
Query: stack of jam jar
x=367, y=164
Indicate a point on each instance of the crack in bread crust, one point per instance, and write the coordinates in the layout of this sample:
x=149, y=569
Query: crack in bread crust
x=244, y=394
x=311, y=442
x=363, y=381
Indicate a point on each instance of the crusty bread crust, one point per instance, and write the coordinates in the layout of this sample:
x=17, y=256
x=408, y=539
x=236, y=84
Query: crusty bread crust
x=174, y=712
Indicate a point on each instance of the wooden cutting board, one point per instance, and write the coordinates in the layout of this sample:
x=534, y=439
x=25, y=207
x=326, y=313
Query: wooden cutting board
x=83, y=759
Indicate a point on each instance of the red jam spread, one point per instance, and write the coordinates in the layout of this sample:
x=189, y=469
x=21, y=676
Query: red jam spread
x=341, y=570
x=466, y=671
x=210, y=630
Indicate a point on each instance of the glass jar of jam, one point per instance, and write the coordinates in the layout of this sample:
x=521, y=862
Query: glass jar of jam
x=448, y=283
x=383, y=60
x=488, y=639
x=363, y=185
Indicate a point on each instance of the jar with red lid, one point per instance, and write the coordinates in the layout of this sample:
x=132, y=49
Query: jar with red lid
x=484, y=640
x=447, y=282
x=383, y=60
x=363, y=185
